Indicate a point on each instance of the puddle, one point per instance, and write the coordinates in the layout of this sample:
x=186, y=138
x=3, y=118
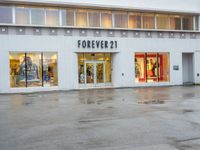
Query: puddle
x=187, y=110
x=155, y=101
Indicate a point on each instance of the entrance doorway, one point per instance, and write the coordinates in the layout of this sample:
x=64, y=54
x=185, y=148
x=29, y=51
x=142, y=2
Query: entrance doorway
x=188, y=71
x=94, y=73
x=94, y=69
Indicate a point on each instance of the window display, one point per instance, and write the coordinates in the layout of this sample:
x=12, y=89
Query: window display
x=151, y=67
x=33, y=69
x=17, y=72
x=50, y=77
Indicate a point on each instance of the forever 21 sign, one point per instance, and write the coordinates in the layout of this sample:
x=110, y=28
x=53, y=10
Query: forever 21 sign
x=103, y=44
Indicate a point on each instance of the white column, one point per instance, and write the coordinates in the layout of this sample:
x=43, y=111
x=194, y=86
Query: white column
x=60, y=17
x=155, y=22
x=13, y=14
x=198, y=26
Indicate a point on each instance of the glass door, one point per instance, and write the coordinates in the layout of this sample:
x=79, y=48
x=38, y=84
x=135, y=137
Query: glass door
x=100, y=73
x=94, y=73
x=89, y=73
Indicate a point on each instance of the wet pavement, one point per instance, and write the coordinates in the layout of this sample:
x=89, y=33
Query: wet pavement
x=159, y=118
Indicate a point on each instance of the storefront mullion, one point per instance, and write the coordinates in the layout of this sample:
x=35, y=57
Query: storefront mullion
x=26, y=76
x=42, y=69
x=157, y=66
x=145, y=66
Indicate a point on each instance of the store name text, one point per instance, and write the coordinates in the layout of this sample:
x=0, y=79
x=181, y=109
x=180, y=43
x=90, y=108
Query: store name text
x=103, y=44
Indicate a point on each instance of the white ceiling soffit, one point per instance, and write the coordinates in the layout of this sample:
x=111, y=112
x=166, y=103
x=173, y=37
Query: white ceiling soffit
x=187, y=6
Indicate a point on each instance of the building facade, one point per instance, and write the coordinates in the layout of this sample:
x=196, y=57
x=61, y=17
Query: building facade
x=64, y=45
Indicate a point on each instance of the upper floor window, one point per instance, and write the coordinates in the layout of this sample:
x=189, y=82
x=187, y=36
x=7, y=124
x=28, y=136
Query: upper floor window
x=121, y=20
x=148, y=21
x=106, y=19
x=22, y=15
x=52, y=17
x=162, y=21
x=68, y=17
x=81, y=18
x=5, y=14
x=175, y=22
x=187, y=22
x=134, y=20
x=37, y=16
x=94, y=18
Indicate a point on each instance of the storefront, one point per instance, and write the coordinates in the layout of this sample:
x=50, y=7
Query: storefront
x=65, y=47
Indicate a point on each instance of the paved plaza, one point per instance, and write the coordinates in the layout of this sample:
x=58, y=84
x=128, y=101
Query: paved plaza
x=155, y=118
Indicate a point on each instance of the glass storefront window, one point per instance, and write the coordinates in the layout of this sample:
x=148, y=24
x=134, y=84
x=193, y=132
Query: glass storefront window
x=81, y=68
x=163, y=62
x=33, y=66
x=17, y=70
x=151, y=67
x=22, y=15
x=33, y=69
x=175, y=22
x=52, y=17
x=121, y=20
x=134, y=20
x=108, y=67
x=37, y=16
x=50, y=76
x=5, y=14
x=148, y=21
x=187, y=22
x=106, y=19
x=68, y=17
x=140, y=67
x=81, y=18
x=94, y=18
x=162, y=21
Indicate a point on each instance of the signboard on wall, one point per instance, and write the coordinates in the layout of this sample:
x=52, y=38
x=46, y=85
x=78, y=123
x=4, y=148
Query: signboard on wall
x=97, y=44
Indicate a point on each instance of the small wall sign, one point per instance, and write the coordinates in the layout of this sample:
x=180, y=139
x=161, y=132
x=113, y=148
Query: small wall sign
x=175, y=67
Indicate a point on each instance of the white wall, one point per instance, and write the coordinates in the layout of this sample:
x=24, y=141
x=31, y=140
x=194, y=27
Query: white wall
x=123, y=57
